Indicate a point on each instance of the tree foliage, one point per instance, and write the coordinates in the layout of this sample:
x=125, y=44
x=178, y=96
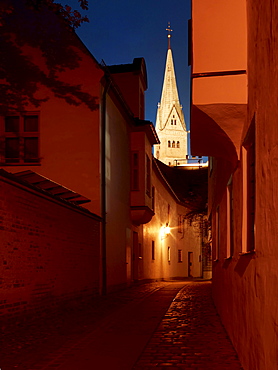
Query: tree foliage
x=48, y=27
x=72, y=16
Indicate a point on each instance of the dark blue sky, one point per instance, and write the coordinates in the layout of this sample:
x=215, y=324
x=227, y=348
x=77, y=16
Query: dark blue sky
x=120, y=30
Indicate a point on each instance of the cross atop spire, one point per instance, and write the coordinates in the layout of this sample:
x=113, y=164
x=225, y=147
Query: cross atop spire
x=169, y=34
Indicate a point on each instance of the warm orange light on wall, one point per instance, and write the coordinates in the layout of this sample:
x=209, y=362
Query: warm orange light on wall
x=165, y=231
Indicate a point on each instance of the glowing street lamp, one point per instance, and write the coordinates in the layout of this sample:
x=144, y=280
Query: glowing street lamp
x=165, y=231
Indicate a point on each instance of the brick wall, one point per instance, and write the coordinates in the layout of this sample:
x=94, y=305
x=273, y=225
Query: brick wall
x=49, y=251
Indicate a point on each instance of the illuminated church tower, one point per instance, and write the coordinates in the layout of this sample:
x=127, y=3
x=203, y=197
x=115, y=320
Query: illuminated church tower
x=170, y=123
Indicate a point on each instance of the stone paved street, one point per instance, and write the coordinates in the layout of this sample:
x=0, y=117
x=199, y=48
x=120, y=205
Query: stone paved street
x=141, y=327
x=190, y=335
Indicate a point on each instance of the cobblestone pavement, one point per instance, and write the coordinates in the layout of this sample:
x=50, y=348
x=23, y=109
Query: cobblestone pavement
x=126, y=328
x=190, y=336
x=35, y=344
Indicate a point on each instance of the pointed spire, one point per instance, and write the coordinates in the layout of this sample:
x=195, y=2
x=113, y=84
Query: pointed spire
x=169, y=95
x=170, y=122
x=169, y=35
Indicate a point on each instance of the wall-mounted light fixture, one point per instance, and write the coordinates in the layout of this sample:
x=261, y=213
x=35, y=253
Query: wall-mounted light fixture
x=165, y=231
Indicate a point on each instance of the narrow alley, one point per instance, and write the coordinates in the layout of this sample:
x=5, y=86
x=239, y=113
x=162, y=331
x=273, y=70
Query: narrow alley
x=169, y=324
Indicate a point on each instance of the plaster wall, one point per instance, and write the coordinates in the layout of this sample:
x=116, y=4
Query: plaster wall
x=118, y=239
x=219, y=35
x=69, y=142
x=230, y=89
x=219, y=78
x=245, y=286
x=133, y=91
x=188, y=240
x=140, y=144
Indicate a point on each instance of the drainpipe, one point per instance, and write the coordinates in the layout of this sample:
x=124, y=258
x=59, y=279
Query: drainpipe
x=201, y=247
x=103, y=275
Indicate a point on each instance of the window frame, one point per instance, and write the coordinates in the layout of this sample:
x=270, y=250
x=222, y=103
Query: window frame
x=217, y=233
x=22, y=136
x=148, y=176
x=180, y=256
x=248, y=156
x=181, y=224
x=135, y=171
x=230, y=219
x=153, y=250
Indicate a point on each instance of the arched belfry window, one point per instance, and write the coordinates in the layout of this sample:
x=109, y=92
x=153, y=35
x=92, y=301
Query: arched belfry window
x=173, y=144
x=178, y=144
x=169, y=144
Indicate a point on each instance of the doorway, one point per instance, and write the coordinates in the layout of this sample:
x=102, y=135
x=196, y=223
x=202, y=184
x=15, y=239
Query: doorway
x=135, y=256
x=190, y=264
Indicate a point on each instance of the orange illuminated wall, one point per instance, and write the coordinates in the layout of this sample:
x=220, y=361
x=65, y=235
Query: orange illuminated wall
x=165, y=252
x=69, y=134
x=219, y=77
x=234, y=120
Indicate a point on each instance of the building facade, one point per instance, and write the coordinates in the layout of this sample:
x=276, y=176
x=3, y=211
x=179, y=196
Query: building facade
x=234, y=121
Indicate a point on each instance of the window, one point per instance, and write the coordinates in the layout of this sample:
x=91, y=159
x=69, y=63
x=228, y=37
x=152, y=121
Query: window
x=180, y=224
x=140, y=254
x=178, y=144
x=153, y=197
x=217, y=234
x=169, y=144
x=20, y=137
x=135, y=171
x=169, y=254
x=172, y=121
x=230, y=221
x=179, y=255
x=249, y=190
x=175, y=122
x=173, y=144
x=148, y=176
x=153, y=250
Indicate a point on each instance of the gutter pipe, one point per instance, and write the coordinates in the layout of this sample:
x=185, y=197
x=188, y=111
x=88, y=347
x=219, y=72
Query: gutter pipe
x=103, y=272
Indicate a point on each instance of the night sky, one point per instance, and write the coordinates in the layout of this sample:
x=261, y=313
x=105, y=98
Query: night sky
x=121, y=30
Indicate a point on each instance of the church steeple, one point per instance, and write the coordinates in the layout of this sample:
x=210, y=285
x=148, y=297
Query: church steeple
x=170, y=123
x=169, y=35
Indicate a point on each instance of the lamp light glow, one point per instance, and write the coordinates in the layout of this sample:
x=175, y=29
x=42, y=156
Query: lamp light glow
x=165, y=231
